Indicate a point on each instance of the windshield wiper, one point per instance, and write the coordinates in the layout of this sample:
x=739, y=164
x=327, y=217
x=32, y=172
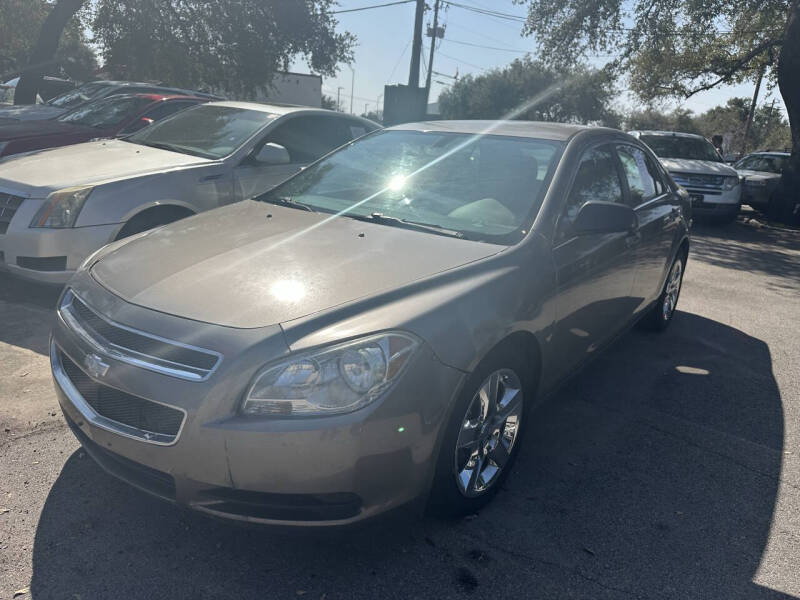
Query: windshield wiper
x=382, y=219
x=172, y=148
x=287, y=201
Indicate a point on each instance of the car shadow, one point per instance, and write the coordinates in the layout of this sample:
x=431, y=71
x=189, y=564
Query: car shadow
x=27, y=311
x=654, y=473
x=748, y=245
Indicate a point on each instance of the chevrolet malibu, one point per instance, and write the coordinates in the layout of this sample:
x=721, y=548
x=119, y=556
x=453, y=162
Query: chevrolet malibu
x=58, y=206
x=374, y=332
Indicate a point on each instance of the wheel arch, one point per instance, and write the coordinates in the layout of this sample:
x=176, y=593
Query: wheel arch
x=176, y=209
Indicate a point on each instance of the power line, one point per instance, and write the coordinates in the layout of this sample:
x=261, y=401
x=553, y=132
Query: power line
x=349, y=10
x=487, y=47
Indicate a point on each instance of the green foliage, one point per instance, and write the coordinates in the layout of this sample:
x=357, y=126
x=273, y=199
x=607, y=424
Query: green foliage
x=329, y=102
x=667, y=47
x=575, y=95
x=20, y=22
x=230, y=45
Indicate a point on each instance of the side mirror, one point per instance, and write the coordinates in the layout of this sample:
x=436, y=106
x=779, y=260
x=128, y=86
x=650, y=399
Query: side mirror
x=272, y=154
x=604, y=217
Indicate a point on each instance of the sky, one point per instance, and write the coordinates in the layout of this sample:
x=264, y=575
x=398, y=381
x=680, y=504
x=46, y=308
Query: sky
x=383, y=53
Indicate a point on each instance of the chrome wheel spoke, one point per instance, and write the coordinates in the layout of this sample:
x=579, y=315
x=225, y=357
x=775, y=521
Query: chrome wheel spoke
x=499, y=455
x=510, y=403
x=469, y=436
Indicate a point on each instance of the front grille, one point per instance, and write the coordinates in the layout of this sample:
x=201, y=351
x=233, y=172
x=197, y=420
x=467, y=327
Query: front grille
x=695, y=182
x=145, y=478
x=135, y=347
x=121, y=407
x=282, y=507
x=46, y=264
x=8, y=207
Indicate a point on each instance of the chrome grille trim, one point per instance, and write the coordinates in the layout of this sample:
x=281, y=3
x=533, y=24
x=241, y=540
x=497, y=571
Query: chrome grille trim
x=98, y=420
x=9, y=204
x=199, y=363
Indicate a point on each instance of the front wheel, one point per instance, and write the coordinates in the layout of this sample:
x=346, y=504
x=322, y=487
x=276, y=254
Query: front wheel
x=661, y=314
x=483, y=437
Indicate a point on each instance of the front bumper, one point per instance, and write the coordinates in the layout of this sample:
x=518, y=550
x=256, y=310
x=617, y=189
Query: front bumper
x=48, y=255
x=283, y=471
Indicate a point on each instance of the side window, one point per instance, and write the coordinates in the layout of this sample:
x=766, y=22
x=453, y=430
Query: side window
x=597, y=179
x=309, y=138
x=644, y=181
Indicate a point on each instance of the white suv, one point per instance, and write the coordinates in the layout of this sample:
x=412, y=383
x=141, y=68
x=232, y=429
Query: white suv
x=714, y=187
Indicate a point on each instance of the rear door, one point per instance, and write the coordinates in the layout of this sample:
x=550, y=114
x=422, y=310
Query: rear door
x=306, y=138
x=659, y=214
x=595, y=272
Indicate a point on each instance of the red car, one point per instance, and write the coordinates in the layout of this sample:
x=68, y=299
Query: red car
x=115, y=116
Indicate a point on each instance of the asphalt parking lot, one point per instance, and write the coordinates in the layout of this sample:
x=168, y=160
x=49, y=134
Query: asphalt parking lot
x=669, y=468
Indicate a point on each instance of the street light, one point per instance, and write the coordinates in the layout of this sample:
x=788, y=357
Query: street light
x=352, y=87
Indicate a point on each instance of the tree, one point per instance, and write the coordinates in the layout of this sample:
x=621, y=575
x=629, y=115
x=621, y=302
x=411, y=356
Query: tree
x=680, y=48
x=329, y=102
x=233, y=46
x=576, y=95
x=21, y=23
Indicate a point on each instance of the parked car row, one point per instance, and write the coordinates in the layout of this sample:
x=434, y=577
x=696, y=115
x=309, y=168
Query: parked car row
x=147, y=159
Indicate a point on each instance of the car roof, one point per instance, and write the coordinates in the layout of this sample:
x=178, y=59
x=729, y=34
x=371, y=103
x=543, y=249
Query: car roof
x=770, y=153
x=529, y=129
x=283, y=109
x=668, y=133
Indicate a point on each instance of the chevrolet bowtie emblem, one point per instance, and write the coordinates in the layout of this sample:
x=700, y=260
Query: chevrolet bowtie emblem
x=95, y=366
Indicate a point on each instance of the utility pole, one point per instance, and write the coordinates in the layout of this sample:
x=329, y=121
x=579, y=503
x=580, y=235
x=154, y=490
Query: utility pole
x=434, y=35
x=416, y=47
x=752, y=113
x=338, y=98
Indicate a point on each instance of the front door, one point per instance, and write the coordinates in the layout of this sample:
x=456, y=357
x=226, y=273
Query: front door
x=595, y=273
x=658, y=212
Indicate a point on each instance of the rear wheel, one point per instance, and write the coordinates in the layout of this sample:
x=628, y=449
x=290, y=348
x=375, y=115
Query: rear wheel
x=483, y=437
x=661, y=314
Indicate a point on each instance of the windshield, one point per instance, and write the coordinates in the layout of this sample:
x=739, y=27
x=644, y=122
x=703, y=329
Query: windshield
x=79, y=95
x=764, y=162
x=484, y=187
x=673, y=146
x=208, y=131
x=106, y=113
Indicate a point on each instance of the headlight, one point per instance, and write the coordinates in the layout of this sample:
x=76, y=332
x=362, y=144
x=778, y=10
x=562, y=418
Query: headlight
x=729, y=183
x=61, y=208
x=334, y=380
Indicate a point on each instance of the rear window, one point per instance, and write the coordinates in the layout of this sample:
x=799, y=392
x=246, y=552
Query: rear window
x=674, y=146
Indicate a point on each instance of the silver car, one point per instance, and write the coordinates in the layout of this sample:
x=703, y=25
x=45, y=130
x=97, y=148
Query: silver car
x=58, y=206
x=761, y=172
x=376, y=331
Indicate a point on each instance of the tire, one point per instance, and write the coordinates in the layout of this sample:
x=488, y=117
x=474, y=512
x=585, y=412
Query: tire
x=494, y=439
x=660, y=316
x=150, y=219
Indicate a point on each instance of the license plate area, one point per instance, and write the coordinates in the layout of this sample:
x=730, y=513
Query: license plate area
x=697, y=199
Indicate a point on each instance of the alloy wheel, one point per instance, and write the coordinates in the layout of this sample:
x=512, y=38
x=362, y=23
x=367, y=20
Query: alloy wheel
x=488, y=432
x=673, y=290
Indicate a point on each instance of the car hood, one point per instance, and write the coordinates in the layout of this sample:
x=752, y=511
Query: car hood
x=758, y=175
x=22, y=130
x=254, y=264
x=36, y=174
x=31, y=112
x=704, y=167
